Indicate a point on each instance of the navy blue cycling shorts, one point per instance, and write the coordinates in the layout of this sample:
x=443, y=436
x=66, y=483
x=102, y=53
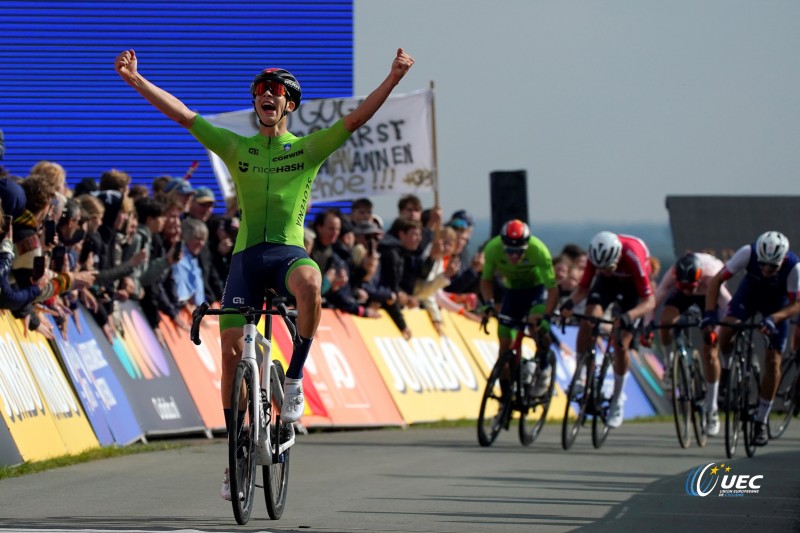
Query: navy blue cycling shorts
x=256, y=269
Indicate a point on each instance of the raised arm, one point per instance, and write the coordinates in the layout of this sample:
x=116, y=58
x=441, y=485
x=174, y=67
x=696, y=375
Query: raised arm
x=360, y=115
x=126, y=66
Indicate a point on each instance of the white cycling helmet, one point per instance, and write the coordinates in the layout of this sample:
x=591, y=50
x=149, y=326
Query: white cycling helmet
x=771, y=247
x=605, y=249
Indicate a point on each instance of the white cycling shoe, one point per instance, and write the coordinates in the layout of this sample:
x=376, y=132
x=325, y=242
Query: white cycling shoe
x=615, y=415
x=293, y=400
x=225, y=491
x=542, y=384
x=712, y=424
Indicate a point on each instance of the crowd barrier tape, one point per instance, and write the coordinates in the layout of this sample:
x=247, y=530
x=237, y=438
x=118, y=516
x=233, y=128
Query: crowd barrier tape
x=360, y=372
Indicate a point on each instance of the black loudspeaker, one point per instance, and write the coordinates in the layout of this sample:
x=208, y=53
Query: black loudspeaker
x=509, y=196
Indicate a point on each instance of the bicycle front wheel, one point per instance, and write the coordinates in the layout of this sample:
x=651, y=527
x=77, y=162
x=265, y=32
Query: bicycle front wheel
x=577, y=402
x=602, y=401
x=681, y=398
x=533, y=411
x=750, y=406
x=276, y=475
x=241, y=445
x=733, y=409
x=785, y=405
x=496, y=403
x=699, y=420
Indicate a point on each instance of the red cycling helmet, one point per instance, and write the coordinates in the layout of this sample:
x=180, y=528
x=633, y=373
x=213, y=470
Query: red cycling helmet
x=515, y=234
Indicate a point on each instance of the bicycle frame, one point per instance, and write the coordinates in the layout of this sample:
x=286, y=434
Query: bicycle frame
x=251, y=336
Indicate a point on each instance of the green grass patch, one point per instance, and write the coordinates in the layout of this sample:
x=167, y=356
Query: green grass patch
x=90, y=455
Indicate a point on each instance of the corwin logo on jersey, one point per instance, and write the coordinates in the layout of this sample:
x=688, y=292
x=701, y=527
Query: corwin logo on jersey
x=294, y=167
x=288, y=156
x=243, y=166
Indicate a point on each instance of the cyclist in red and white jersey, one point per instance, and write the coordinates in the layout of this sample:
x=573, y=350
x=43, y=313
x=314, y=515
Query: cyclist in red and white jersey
x=618, y=271
x=685, y=284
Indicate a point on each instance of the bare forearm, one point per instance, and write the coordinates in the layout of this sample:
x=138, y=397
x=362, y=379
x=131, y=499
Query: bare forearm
x=163, y=101
x=360, y=115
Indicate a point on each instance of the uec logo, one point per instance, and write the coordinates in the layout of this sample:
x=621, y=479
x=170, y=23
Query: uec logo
x=704, y=479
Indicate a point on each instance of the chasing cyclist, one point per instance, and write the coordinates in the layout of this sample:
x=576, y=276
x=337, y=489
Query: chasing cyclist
x=273, y=198
x=618, y=270
x=770, y=287
x=686, y=284
x=530, y=292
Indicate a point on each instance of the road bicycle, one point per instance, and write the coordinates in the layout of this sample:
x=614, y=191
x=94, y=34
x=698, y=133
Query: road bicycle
x=509, y=389
x=741, y=397
x=587, y=394
x=688, y=383
x=787, y=400
x=257, y=436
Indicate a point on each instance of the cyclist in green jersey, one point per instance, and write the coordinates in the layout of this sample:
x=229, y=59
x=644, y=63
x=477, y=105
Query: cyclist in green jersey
x=526, y=268
x=273, y=172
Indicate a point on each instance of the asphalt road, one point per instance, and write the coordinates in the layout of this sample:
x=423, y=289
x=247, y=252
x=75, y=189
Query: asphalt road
x=426, y=480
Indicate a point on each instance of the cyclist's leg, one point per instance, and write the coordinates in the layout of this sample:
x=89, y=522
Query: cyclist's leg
x=599, y=297
x=516, y=303
x=772, y=366
x=242, y=288
x=669, y=315
x=298, y=276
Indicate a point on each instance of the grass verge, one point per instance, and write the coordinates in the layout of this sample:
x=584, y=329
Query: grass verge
x=90, y=455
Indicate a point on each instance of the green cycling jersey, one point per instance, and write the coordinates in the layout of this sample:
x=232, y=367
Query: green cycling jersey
x=273, y=177
x=534, y=268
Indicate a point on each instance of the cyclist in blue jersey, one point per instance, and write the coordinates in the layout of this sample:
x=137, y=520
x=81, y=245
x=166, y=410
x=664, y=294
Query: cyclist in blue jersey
x=273, y=172
x=770, y=287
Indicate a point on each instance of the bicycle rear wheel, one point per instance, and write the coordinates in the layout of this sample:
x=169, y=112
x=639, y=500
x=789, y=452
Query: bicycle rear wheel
x=699, y=421
x=602, y=401
x=276, y=475
x=496, y=403
x=533, y=411
x=577, y=400
x=681, y=398
x=733, y=409
x=241, y=447
x=785, y=405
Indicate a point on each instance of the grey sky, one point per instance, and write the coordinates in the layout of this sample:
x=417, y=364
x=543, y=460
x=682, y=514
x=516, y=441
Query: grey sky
x=609, y=105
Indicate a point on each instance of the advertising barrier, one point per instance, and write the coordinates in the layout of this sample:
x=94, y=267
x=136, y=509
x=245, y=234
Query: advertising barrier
x=200, y=365
x=430, y=377
x=98, y=388
x=149, y=376
x=360, y=372
x=39, y=409
x=344, y=376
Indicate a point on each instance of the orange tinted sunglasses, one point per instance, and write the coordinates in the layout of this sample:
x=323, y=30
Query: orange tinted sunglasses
x=276, y=88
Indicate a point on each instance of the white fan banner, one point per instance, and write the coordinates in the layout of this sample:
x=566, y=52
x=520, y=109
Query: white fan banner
x=390, y=154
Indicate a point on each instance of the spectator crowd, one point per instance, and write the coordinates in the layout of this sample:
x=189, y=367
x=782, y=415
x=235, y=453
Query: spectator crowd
x=106, y=241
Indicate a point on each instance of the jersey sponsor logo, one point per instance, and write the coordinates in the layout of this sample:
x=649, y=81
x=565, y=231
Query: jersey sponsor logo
x=294, y=167
x=253, y=151
x=287, y=147
x=288, y=156
x=301, y=215
x=243, y=166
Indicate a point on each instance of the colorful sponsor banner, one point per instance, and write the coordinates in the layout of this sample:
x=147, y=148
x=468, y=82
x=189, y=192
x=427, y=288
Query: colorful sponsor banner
x=393, y=154
x=200, y=365
x=69, y=418
x=430, y=377
x=98, y=388
x=25, y=412
x=149, y=376
x=9, y=454
x=649, y=372
x=344, y=375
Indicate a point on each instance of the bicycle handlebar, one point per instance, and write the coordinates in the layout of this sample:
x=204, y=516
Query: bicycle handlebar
x=248, y=312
